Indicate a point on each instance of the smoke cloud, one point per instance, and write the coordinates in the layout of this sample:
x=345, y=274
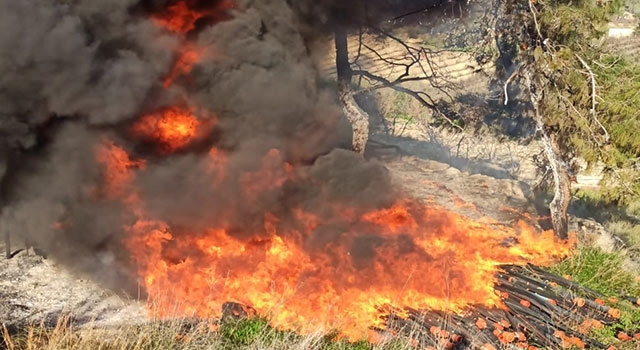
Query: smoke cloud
x=324, y=15
x=74, y=73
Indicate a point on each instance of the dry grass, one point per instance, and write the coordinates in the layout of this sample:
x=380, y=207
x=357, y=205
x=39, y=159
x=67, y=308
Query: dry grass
x=628, y=231
x=628, y=226
x=243, y=334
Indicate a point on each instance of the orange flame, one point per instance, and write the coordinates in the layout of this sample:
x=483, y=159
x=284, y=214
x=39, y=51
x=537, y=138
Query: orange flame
x=117, y=172
x=405, y=255
x=178, y=17
x=188, y=56
x=171, y=128
x=182, y=16
x=449, y=266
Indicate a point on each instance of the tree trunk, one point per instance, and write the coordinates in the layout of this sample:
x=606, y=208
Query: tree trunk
x=358, y=118
x=343, y=67
x=561, y=187
x=561, y=182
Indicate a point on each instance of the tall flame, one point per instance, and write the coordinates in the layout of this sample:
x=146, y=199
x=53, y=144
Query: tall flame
x=181, y=18
x=117, y=172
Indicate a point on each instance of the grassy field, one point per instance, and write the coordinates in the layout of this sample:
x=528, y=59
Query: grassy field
x=591, y=267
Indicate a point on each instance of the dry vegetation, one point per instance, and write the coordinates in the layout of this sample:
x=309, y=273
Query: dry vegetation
x=180, y=334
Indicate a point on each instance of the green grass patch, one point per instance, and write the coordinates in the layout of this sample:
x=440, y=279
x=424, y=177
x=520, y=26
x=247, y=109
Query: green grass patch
x=600, y=271
x=604, y=273
x=248, y=331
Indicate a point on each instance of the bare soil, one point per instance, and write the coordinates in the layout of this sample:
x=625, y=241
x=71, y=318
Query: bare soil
x=36, y=289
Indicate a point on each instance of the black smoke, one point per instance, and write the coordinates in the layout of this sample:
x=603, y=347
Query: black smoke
x=325, y=15
x=74, y=72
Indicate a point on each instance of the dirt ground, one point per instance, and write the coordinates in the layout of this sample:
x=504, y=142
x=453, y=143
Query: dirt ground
x=35, y=289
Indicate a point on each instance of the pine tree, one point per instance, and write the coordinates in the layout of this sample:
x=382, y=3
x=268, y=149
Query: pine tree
x=585, y=101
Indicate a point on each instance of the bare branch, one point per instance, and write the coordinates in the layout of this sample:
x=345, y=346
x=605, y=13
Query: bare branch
x=359, y=53
x=535, y=18
x=415, y=94
x=506, y=84
x=408, y=48
x=608, y=66
x=562, y=186
x=407, y=67
x=414, y=54
x=593, y=97
x=414, y=12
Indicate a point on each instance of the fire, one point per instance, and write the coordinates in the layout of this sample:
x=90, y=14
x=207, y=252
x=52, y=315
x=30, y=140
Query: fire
x=171, y=128
x=181, y=17
x=407, y=254
x=307, y=268
x=117, y=170
x=188, y=56
x=449, y=266
x=178, y=18
x=175, y=127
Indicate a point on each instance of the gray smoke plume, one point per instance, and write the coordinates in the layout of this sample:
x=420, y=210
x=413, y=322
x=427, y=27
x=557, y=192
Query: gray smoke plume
x=74, y=72
x=325, y=15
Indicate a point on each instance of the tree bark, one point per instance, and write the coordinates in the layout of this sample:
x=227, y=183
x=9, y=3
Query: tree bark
x=343, y=66
x=358, y=118
x=559, y=205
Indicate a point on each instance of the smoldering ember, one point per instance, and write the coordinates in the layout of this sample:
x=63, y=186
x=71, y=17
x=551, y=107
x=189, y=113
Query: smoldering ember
x=202, y=156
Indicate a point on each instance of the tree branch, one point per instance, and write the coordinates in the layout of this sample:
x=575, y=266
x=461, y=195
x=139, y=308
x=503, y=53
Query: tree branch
x=506, y=84
x=593, y=97
x=359, y=53
x=413, y=55
x=415, y=94
x=535, y=19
